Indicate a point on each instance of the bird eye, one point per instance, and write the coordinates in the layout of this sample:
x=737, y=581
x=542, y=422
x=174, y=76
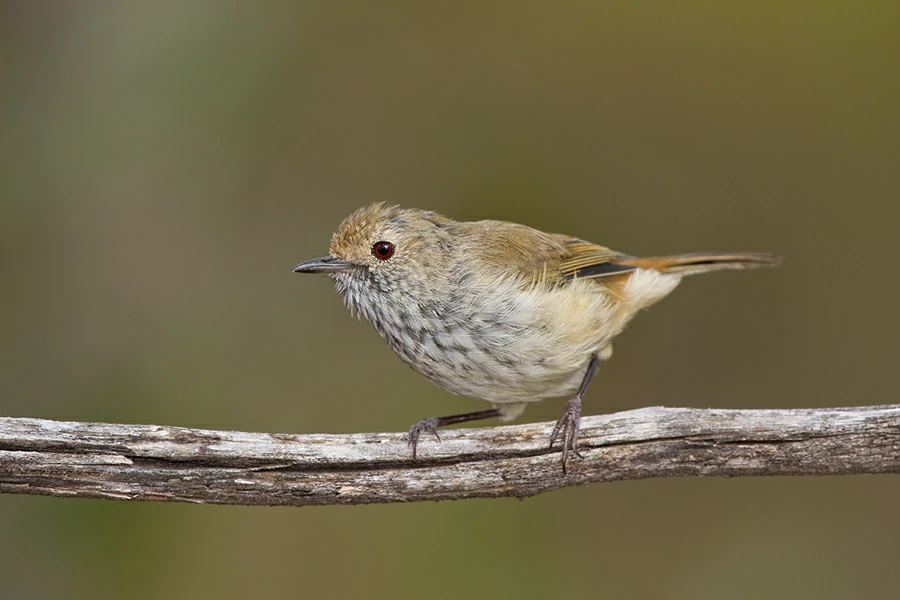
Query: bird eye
x=383, y=250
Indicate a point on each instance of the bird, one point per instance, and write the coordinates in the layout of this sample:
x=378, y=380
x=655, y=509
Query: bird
x=497, y=310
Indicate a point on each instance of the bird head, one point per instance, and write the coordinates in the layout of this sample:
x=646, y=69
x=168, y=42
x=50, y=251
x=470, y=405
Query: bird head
x=384, y=250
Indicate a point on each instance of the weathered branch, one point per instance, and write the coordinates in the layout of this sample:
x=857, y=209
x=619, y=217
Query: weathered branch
x=149, y=462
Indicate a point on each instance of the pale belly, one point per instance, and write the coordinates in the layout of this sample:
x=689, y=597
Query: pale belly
x=513, y=345
x=519, y=346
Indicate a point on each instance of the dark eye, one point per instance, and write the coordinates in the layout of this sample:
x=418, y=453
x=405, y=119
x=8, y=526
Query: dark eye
x=383, y=250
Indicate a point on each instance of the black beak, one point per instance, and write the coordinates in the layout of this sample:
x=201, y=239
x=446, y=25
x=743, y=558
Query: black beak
x=326, y=264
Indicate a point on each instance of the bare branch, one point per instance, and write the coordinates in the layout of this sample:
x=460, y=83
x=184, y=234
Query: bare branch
x=150, y=462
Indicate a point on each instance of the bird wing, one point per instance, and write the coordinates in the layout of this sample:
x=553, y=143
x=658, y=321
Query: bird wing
x=533, y=255
x=581, y=259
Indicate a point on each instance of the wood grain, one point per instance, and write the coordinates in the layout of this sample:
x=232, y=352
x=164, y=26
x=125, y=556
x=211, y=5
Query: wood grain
x=175, y=464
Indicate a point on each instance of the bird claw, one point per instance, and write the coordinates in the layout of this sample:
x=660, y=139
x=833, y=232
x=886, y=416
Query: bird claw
x=428, y=425
x=568, y=427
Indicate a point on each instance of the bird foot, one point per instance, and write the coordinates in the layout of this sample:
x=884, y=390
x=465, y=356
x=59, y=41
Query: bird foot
x=428, y=425
x=567, y=427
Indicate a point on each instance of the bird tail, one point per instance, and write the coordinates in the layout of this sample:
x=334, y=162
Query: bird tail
x=690, y=264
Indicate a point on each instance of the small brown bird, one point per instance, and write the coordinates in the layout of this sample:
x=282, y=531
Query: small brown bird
x=496, y=310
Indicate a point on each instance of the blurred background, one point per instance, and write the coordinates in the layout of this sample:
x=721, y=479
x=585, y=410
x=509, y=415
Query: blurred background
x=164, y=165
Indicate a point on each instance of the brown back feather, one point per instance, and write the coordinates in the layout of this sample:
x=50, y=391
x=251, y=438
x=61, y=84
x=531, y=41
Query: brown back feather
x=533, y=255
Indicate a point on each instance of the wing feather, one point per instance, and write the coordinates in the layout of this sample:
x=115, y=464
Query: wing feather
x=586, y=260
x=533, y=255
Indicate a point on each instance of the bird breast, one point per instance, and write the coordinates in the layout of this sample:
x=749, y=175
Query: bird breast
x=502, y=341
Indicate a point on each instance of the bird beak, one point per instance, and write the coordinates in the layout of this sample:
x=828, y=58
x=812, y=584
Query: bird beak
x=326, y=264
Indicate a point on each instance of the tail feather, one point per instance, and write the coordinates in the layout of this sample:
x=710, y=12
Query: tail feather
x=690, y=264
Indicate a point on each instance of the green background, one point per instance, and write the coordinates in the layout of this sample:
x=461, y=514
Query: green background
x=165, y=164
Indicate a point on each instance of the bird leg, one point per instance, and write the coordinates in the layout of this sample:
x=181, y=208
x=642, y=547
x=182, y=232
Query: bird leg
x=570, y=422
x=431, y=425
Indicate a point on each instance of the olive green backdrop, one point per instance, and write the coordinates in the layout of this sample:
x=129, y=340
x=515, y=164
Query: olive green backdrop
x=165, y=164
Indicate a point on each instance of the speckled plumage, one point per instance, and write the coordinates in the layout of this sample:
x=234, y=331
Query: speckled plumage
x=496, y=310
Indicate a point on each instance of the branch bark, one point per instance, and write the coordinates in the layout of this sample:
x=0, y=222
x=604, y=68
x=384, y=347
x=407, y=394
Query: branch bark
x=158, y=463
